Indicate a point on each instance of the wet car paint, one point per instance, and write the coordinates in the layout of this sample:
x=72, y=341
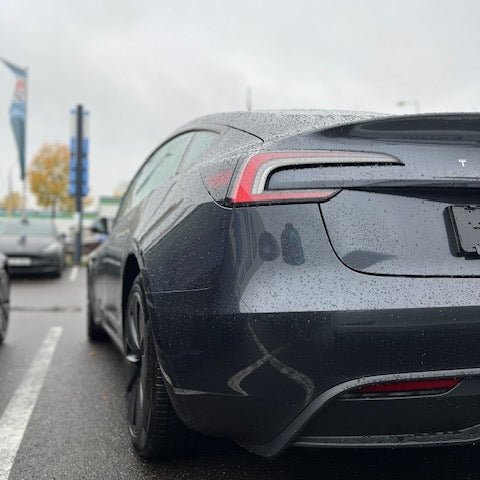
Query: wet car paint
x=255, y=316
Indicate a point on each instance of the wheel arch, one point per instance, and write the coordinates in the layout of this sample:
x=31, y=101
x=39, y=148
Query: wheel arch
x=130, y=273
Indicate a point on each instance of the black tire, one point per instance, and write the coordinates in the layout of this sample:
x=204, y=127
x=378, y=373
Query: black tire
x=4, y=304
x=61, y=267
x=155, y=429
x=95, y=332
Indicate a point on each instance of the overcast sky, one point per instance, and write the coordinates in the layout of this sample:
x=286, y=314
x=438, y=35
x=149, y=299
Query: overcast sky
x=143, y=68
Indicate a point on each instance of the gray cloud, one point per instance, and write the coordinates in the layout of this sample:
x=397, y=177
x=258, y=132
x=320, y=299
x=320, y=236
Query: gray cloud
x=143, y=68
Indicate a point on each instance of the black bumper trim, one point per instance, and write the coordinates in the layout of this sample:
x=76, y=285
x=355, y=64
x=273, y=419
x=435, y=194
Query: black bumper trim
x=289, y=435
x=466, y=436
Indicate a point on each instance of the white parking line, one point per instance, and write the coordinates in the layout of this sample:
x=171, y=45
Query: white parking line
x=14, y=420
x=73, y=273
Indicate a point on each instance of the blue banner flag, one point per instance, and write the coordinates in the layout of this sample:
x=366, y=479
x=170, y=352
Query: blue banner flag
x=18, y=112
x=81, y=169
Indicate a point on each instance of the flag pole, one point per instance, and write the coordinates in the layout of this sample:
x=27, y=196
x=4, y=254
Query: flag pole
x=9, y=193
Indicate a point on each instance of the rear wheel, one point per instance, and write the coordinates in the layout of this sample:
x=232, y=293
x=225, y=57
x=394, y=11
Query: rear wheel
x=155, y=429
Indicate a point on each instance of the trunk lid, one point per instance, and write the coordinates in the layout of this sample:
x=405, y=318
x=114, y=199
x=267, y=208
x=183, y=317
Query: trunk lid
x=394, y=219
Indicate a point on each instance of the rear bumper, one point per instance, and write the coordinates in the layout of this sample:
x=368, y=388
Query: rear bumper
x=284, y=328
x=271, y=381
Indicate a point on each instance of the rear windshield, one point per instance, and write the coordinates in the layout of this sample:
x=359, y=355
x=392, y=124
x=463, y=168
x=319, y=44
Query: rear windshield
x=27, y=227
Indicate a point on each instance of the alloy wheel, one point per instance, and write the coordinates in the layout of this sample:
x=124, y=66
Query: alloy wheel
x=136, y=362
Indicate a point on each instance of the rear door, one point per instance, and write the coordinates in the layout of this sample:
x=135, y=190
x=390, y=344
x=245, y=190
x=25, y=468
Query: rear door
x=133, y=214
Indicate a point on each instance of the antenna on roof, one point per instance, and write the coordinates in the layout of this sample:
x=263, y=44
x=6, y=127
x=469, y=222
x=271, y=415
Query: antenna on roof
x=248, y=98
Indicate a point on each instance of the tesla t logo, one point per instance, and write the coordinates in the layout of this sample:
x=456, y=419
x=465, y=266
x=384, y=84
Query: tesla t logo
x=462, y=161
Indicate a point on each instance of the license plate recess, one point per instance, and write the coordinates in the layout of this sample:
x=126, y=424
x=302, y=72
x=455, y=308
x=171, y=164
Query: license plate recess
x=465, y=221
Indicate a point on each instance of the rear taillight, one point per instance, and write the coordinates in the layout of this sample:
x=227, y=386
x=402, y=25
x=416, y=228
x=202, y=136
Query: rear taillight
x=251, y=185
x=409, y=387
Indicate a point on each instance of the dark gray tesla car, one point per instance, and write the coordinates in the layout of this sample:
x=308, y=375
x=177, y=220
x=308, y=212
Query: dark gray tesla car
x=299, y=278
x=32, y=245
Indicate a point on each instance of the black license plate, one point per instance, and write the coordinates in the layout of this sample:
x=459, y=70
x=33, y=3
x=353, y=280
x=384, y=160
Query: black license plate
x=466, y=226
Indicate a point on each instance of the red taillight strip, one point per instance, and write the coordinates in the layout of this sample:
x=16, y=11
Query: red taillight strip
x=410, y=386
x=250, y=186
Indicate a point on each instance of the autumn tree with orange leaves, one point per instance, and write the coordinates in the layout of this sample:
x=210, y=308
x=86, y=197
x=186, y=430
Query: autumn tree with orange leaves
x=49, y=177
x=12, y=201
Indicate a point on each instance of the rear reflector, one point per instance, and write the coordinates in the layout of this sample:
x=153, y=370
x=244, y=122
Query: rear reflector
x=251, y=185
x=410, y=386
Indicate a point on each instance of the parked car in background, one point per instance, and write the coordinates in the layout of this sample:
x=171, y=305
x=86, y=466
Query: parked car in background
x=299, y=278
x=89, y=242
x=32, y=245
x=4, y=297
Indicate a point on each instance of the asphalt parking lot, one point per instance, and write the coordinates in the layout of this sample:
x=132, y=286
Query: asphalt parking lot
x=62, y=411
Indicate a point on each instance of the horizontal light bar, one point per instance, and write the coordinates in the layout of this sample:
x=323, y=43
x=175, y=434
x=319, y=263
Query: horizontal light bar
x=252, y=180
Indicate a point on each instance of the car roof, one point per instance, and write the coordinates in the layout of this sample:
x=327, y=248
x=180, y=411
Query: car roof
x=271, y=124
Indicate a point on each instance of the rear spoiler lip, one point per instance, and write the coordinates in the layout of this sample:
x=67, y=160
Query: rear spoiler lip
x=422, y=128
x=420, y=116
x=343, y=128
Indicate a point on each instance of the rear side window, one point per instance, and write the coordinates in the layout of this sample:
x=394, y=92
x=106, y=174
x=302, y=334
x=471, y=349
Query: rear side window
x=161, y=165
x=200, y=143
x=165, y=163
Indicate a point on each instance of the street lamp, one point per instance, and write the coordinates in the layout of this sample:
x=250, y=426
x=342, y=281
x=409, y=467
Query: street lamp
x=415, y=102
